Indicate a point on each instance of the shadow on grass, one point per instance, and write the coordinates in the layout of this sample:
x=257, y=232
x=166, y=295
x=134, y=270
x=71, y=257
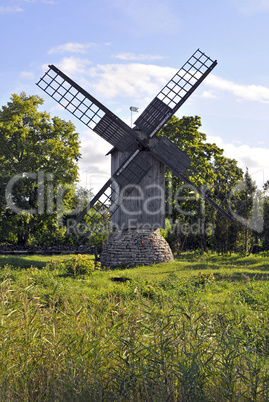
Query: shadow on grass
x=242, y=277
x=233, y=258
x=24, y=262
x=218, y=262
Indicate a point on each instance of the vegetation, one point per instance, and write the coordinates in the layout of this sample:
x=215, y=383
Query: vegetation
x=191, y=222
x=38, y=170
x=192, y=330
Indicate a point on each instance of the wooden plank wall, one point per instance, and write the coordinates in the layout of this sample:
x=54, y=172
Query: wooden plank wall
x=144, y=208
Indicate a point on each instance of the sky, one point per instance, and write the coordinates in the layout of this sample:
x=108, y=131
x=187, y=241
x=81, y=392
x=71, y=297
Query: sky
x=124, y=52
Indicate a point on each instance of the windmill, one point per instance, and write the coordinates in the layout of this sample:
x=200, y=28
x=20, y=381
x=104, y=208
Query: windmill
x=133, y=197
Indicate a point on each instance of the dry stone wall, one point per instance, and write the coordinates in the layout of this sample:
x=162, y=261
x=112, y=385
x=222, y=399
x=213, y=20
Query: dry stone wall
x=135, y=247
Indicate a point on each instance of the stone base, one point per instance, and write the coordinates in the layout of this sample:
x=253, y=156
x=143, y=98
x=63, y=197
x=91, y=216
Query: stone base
x=135, y=247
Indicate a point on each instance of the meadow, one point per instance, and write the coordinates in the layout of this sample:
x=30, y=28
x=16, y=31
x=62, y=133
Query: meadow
x=192, y=330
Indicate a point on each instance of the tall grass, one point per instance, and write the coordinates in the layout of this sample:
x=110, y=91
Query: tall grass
x=170, y=333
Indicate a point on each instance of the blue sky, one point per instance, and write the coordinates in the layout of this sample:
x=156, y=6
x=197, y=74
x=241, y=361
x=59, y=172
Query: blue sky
x=123, y=53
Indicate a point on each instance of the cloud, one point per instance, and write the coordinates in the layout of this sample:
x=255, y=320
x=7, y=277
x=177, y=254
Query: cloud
x=74, y=65
x=149, y=16
x=138, y=80
x=10, y=9
x=251, y=7
x=17, y=8
x=256, y=159
x=143, y=81
x=136, y=57
x=257, y=93
x=27, y=75
x=209, y=95
x=94, y=166
x=113, y=80
x=51, y=2
x=72, y=47
x=130, y=80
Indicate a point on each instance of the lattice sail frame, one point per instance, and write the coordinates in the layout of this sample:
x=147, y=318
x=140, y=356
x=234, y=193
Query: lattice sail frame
x=86, y=108
x=106, y=124
x=175, y=93
x=208, y=191
x=102, y=207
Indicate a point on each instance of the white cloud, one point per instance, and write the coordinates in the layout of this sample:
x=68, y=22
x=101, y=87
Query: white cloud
x=256, y=159
x=209, y=95
x=136, y=57
x=149, y=16
x=10, y=9
x=257, y=93
x=94, y=166
x=137, y=79
x=27, y=75
x=72, y=47
x=51, y=2
x=17, y=8
x=74, y=65
x=130, y=80
x=251, y=7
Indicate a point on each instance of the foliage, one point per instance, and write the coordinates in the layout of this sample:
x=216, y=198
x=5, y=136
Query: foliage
x=80, y=265
x=40, y=155
x=194, y=223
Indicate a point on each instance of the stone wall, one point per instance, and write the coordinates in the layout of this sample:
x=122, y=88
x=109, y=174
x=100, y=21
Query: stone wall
x=135, y=247
x=47, y=250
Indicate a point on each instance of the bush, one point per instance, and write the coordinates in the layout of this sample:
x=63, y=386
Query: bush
x=80, y=265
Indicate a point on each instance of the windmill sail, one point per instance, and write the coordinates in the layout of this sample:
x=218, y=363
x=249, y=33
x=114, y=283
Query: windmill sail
x=219, y=199
x=170, y=155
x=87, y=109
x=185, y=168
x=208, y=187
x=175, y=93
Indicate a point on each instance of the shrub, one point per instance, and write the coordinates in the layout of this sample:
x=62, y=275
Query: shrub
x=80, y=265
x=203, y=278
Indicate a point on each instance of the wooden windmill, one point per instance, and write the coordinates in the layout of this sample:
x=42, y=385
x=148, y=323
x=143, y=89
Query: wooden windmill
x=134, y=195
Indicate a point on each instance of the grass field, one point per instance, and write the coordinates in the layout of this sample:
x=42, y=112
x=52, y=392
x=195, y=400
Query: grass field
x=192, y=330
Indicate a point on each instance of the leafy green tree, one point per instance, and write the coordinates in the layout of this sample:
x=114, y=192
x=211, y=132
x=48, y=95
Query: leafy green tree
x=226, y=233
x=197, y=219
x=94, y=227
x=38, y=159
x=265, y=234
x=249, y=198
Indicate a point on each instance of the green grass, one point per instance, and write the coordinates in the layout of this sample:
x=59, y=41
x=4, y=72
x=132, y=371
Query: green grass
x=192, y=330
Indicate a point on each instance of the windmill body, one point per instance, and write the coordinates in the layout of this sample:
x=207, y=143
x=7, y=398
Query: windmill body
x=133, y=198
x=142, y=205
x=135, y=237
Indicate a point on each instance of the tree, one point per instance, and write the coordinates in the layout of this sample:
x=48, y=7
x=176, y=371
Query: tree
x=38, y=160
x=195, y=218
x=249, y=196
x=226, y=234
x=265, y=234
